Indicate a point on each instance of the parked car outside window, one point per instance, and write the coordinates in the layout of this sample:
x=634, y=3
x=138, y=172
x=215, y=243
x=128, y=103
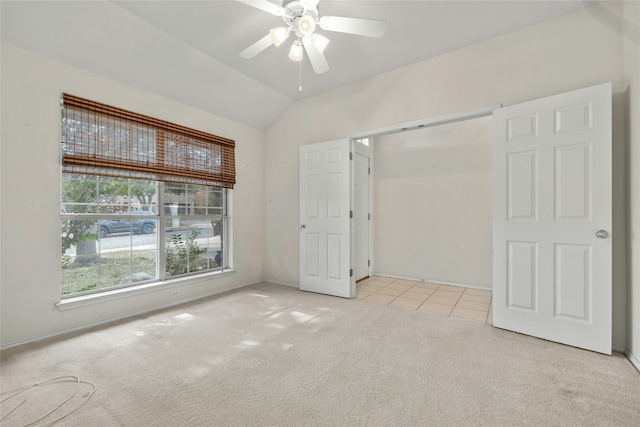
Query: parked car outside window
x=146, y=225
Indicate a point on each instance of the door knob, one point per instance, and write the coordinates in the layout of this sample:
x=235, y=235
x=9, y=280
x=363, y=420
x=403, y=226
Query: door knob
x=302, y=226
x=601, y=234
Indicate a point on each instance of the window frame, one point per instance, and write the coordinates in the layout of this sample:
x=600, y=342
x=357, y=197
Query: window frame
x=204, y=159
x=223, y=218
x=161, y=231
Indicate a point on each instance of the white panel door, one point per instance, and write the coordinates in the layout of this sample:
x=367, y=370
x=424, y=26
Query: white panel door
x=361, y=216
x=552, y=218
x=325, y=224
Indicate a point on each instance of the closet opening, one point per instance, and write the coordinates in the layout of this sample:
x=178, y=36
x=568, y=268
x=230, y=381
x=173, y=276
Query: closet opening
x=425, y=211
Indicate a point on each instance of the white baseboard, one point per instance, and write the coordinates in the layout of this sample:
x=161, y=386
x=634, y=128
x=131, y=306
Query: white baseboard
x=437, y=282
x=121, y=317
x=619, y=349
x=282, y=283
x=634, y=361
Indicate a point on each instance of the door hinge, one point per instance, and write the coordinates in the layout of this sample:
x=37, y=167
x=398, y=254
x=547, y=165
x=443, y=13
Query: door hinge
x=350, y=214
x=368, y=263
x=350, y=156
x=351, y=273
x=369, y=217
x=369, y=171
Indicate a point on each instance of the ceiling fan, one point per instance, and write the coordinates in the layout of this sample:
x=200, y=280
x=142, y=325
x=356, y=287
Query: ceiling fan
x=301, y=18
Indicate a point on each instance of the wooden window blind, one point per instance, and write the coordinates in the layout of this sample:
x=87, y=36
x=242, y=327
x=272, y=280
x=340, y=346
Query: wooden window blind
x=99, y=139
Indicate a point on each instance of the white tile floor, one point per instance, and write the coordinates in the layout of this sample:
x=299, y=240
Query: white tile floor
x=454, y=301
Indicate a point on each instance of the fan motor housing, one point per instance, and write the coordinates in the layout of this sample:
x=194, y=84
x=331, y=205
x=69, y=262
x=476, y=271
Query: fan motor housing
x=294, y=11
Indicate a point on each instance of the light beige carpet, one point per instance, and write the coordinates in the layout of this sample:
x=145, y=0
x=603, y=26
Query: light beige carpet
x=270, y=355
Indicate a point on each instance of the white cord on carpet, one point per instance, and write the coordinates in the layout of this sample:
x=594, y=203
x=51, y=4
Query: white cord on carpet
x=77, y=380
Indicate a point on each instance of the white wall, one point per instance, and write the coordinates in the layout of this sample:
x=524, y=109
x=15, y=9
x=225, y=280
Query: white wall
x=433, y=204
x=30, y=195
x=567, y=53
x=632, y=83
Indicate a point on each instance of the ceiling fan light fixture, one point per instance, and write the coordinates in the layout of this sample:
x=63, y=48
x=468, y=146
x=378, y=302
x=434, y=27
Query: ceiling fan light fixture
x=279, y=35
x=302, y=18
x=306, y=25
x=320, y=42
x=295, y=54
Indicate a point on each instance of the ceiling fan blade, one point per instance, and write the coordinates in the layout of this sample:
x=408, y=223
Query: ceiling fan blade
x=265, y=5
x=317, y=59
x=358, y=26
x=257, y=47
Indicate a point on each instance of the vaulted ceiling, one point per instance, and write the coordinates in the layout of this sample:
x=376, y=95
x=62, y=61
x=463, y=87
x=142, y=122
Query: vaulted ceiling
x=188, y=50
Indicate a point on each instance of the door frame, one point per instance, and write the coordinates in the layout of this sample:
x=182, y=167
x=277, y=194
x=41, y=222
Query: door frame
x=475, y=113
x=365, y=151
x=428, y=122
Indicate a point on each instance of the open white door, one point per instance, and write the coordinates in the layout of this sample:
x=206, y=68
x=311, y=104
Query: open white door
x=325, y=224
x=552, y=218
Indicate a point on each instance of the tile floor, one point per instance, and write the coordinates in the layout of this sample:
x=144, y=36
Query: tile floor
x=454, y=301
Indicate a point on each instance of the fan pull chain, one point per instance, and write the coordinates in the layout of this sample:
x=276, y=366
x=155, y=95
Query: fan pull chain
x=300, y=71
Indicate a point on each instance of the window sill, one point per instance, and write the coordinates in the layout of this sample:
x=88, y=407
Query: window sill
x=85, y=300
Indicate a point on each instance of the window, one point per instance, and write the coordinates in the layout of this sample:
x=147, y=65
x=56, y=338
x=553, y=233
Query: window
x=142, y=200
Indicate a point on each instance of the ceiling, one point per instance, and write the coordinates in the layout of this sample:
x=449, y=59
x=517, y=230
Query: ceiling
x=188, y=50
